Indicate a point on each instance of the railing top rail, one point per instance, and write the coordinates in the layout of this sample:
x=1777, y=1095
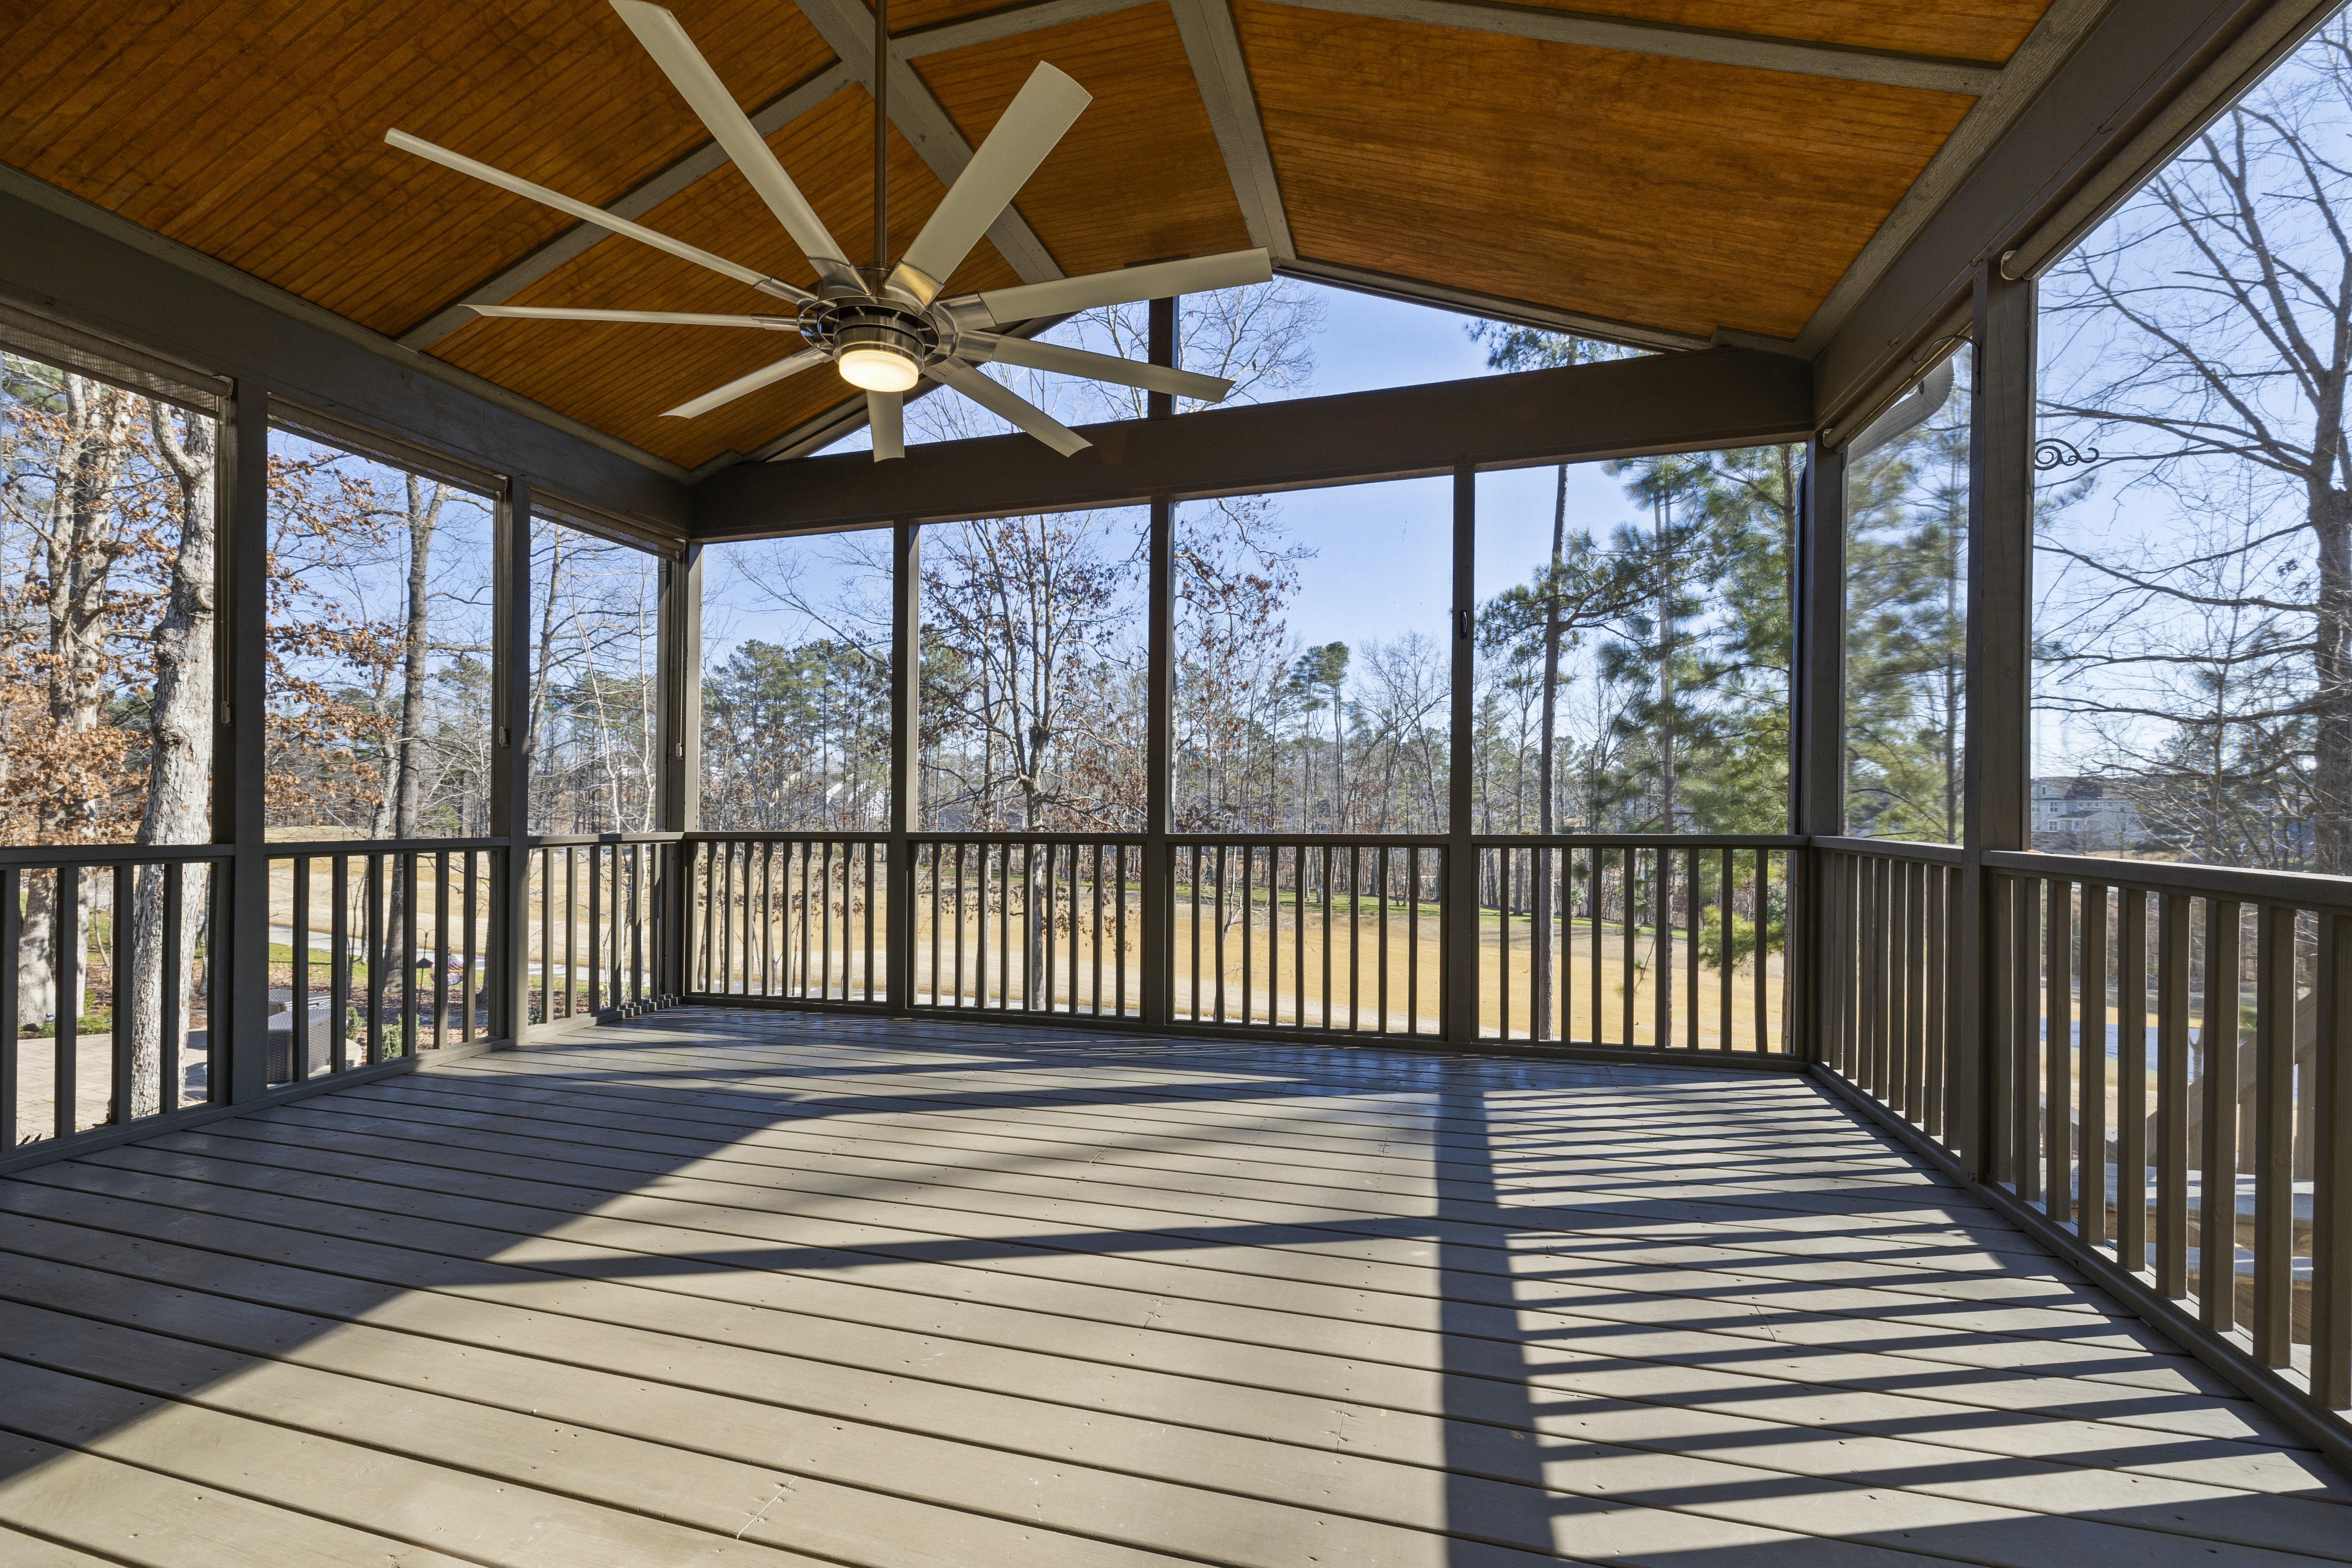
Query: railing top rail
x=2304, y=888
x=1336, y=840
x=1891, y=849
x=574, y=840
x=767, y=835
x=1640, y=840
x=994, y=836
x=41, y=856
x=321, y=848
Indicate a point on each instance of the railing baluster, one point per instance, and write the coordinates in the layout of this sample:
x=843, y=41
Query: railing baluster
x=2331, y=1210
x=2172, y=1096
x=440, y=948
x=376, y=968
x=2091, y=1057
x=298, y=1038
x=173, y=1027
x=2131, y=1081
x=473, y=943
x=64, y=991
x=12, y=1026
x=2057, y=1056
x=2217, y=1180
x=123, y=965
x=2271, y=1323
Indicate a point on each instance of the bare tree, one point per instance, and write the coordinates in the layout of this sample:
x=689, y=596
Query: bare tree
x=180, y=744
x=2204, y=351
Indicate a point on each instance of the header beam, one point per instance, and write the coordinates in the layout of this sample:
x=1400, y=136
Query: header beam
x=1663, y=402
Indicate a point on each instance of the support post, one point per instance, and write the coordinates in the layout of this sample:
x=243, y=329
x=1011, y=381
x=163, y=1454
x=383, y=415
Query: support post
x=1996, y=792
x=679, y=724
x=239, y=753
x=906, y=773
x=1459, y=948
x=511, y=677
x=1817, y=768
x=1160, y=713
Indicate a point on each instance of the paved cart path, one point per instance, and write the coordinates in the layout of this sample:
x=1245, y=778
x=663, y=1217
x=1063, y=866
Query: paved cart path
x=714, y=1286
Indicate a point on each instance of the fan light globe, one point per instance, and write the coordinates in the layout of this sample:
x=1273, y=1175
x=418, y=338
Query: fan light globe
x=876, y=369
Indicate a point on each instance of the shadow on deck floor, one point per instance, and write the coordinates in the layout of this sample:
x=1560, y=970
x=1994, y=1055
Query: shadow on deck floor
x=711, y=1287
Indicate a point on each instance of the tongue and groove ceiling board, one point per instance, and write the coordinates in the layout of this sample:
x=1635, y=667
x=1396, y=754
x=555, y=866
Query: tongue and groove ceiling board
x=1669, y=193
x=1630, y=187
x=254, y=132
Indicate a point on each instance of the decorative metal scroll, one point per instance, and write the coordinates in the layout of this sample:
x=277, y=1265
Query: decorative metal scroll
x=2050, y=452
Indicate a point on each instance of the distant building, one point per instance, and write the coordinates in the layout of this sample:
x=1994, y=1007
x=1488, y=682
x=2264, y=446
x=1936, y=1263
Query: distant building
x=2085, y=816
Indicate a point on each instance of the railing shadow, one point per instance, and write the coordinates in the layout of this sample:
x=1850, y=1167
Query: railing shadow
x=1660, y=1314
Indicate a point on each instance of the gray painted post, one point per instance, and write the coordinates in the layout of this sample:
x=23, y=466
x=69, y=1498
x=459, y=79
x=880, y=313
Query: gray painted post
x=1159, y=713
x=679, y=678
x=239, y=754
x=511, y=677
x=1999, y=669
x=905, y=740
x=1817, y=767
x=1459, y=950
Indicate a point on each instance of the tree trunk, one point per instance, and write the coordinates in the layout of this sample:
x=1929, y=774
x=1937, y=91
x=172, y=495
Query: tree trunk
x=408, y=768
x=180, y=754
x=2331, y=523
x=78, y=559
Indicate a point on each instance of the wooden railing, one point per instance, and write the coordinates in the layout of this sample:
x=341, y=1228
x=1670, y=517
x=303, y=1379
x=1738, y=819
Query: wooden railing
x=1028, y=923
x=105, y=1020
x=2165, y=1073
x=1668, y=942
x=2143, y=1063
x=1889, y=917
x=799, y=917
x=596, y=920
x=388, y=950
x=1325, y=934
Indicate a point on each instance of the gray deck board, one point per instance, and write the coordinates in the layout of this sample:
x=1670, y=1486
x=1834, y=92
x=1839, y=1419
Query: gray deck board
x=714, y=1286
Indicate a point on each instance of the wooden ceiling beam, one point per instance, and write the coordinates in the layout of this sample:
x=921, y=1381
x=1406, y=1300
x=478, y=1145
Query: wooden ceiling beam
x=1657, y=403
x=1521, y=313
x=848, y=29
x=1752, y=51
x=943, y=37
x=705, y=159
x=1214, y=49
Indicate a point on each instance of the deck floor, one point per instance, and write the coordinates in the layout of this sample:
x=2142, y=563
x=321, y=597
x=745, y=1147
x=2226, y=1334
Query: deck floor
x=763, y=1288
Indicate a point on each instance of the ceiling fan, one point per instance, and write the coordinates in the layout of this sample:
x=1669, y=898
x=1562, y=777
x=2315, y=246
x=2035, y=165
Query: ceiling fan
x=887, y=327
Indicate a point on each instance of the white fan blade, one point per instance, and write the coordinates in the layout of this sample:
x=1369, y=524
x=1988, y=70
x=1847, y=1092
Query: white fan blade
x=1094, y=366
x=1048, y=104
x=1195, y=275
x=744, y=385
x=1008, y=405
x=602, y=219
x=886, y=416
x=729, y=126
x=663, y=317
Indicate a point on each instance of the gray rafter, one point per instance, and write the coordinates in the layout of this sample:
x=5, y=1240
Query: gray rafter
x=704, y=160
x=1214, y=49
x=1005, y=24
x=1520, y=312
x=2037, y=59
x=1753, y=51
x=848, y=29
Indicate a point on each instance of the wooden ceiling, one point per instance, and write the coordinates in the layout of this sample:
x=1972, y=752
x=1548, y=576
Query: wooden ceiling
x=1660, y=188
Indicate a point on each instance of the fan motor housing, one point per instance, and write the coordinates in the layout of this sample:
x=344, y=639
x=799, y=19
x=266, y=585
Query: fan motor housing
x=840, y=324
